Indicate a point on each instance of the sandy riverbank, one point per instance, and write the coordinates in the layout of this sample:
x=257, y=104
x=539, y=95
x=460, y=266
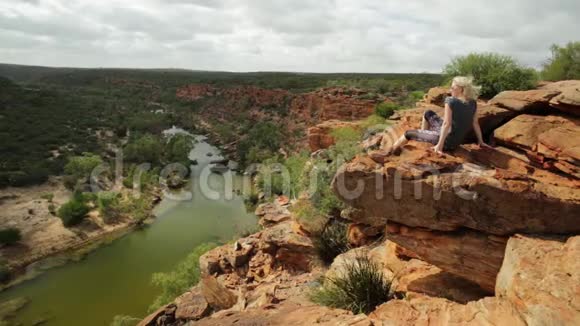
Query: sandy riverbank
x=43, y=234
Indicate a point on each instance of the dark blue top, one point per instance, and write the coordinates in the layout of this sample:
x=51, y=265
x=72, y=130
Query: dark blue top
x=461, y=121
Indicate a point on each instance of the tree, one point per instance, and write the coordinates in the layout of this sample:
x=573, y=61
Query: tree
x=178, y=148
x=82, y=166
x=145, y=149
x=493, y=72
x=564, y=63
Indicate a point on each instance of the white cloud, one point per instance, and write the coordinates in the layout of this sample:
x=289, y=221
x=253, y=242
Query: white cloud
x=298, y=35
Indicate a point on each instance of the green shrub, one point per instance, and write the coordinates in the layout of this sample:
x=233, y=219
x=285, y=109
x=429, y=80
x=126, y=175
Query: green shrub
x=185, y=275
x=386, y=109
x=10, y=236
x=108, y=205
x=493, y=72
x=360, y=289
x=332, y=241
x=73, y=212
x=564, y=63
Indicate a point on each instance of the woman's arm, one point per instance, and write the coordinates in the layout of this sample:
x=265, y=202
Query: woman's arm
x=445, y=129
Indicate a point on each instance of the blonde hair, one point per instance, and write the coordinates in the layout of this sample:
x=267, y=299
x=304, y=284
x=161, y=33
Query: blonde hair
x=470, y=91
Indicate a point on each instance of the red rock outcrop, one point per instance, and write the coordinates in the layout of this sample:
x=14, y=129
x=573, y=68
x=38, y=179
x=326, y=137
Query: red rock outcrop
x=568, y=100
x=195, y=92
x=457, y=211
x=334, y=103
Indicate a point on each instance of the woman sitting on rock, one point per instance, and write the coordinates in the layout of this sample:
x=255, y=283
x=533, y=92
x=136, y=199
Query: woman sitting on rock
x=460, y=116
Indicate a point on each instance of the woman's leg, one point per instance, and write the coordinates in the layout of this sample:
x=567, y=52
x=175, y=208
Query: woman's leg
x=431, y=121
x=429, y=132
x=424, y=123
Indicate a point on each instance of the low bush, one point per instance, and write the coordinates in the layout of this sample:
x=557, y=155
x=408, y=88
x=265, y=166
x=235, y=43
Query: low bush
x=360, y=289
x=386, y=109
x=73, y=212
x=493, y=72
x=332, y=241
x=10, y=236
x=185, y=275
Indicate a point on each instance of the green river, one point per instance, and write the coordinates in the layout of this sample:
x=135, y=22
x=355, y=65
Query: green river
x=116, y=278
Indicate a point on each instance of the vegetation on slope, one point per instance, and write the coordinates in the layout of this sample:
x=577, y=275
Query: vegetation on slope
x=564, y=63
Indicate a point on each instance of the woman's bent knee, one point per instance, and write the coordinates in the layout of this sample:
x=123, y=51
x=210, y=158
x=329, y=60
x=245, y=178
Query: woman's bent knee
x=428, y=114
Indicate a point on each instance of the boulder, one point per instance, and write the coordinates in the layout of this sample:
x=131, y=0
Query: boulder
x=472, y=255
x=437, y=95
x=551, y=142
x=540, y=276
x=215, y=261
x=524, y=101
x=291, y=249
x=272, y=214
x=568, y=100
x=216, y=295
x=192, y=305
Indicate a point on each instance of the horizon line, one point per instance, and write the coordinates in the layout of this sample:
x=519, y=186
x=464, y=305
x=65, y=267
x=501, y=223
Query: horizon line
x=216, y=71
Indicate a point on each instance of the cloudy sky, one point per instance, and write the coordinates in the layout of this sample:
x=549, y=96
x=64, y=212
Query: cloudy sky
x=281, y=35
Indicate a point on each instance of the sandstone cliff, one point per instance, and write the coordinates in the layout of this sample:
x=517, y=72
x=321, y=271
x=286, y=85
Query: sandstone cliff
x=505, y=219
